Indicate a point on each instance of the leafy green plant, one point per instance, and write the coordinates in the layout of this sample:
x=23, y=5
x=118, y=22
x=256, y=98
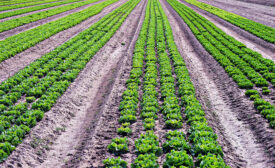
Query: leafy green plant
x=124, y=129
x=30, y=99
x=118, y=146
x=176, y=143
x=210, y=160
x=148, y=143
x=178, y=159
x=114, y=163
x=145, y=161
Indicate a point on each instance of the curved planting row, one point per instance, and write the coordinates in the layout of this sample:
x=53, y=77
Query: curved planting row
x=11, y=2
x=260, y=30
x=21, y=4
x=246, y=67
x=35, y=89
x=35, y=8
x=13, y=23
x=155, y=48
x=22, y=41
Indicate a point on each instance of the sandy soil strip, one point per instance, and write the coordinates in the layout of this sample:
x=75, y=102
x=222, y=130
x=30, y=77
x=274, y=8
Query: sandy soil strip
x=27, y=6
x=37, y=23
x=93, y=147
x=30, y=13
x=12, y=65
x=58, y=136
x=257, y=44
x=256, y=12
x=262, y=2
x=241, y=131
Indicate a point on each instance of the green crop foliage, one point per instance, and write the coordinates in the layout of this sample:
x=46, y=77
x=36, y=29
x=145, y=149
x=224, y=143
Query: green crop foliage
x=21, y=3
x=264, y=32
x=118, y=146
x=115, y=163
x=146, y=161
x=246, y=67
x=35, y=8
x=22, y=41
x=178, y=159
x=47, y=78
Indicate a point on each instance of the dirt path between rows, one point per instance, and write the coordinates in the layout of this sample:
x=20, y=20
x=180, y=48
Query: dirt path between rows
x=245, y=137
x=35, y=24
x=262, y=2
x=93, y=146
x=96, y=93
x=258, y=13
x=10, y=66
x=37, y=11
x=267, y=50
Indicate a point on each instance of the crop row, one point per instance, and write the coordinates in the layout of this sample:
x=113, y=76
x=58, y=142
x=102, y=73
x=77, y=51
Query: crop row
x=22, y=4
x=35, y=89
x=258, y=29
x=147, y=145
x=13, y=23
x=35, y=8
x=242, y=64
x=203, y=140
x=156, y=48
x=176, y=148
x=11, y=2
x=22, y=41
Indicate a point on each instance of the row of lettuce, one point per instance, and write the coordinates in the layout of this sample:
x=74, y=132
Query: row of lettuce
x=25, y=97
x=14, y=23
x=11, y=2
x=156, y=61
x=262, y=31
x=8, y=5
x=34, y=8
x=22, y=41
x=246, y=67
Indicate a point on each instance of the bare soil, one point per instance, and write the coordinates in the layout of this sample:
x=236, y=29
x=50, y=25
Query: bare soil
x=65, y=134
x=12, y=65
x=262, y=2
x=37, y=23
x=76, y=131
x=241, y=130
x=30, y=13
x=256, y=12
x=93, y=147
x=266, y=49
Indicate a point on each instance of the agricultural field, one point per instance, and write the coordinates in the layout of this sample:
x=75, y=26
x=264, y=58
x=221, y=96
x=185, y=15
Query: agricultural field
x=137, y=83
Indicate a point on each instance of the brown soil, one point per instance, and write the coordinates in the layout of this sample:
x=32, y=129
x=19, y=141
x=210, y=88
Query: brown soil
x=86, y=109
x=266, y=49
x=241, y=130
x=93, y=147
x=77, y=130
x=262, y=2
x=256, y=12
x=30, y=13
x=10, y=66
x=32, y=25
